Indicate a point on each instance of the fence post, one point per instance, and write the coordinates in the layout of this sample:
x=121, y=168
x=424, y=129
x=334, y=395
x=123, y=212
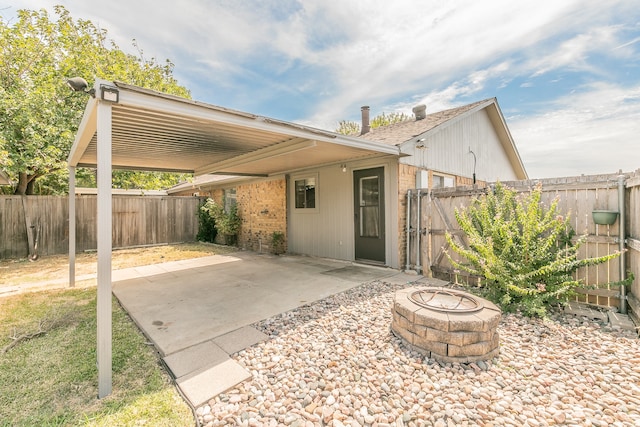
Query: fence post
x=622, y=218
x=408, y=232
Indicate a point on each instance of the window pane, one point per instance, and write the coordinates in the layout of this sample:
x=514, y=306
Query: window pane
x=300, y=194
x=369, y=191
x=229, y=199
x=369, y=206
x=305, y=193
x=311, y=193
x=369, y=221
x=449, y=181
x=440, y=181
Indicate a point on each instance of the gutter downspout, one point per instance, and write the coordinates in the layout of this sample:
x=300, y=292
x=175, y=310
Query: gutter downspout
x=622, y=241
x=418, y=234
x=408, y=232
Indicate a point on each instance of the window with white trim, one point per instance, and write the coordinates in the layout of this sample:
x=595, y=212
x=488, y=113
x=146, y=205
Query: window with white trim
x=305, y=193
x=442, y=181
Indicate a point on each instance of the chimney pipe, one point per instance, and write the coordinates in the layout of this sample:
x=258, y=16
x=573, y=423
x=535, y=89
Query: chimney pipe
x=420, y=111
x=366, y=127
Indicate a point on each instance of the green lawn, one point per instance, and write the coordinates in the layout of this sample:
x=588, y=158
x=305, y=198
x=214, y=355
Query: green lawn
x=50, y=379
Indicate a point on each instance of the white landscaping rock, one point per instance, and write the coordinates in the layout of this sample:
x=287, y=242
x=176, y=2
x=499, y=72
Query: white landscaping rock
x=335, y=362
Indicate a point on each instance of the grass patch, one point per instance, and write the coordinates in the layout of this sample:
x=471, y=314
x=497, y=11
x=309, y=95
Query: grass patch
x=15, y=272
x=49, y=377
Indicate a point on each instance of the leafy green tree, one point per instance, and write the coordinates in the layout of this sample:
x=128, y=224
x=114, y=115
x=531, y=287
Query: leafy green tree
x=39, y=114
x=385, y=119
x=523, y=250
x=147, y=180
x=347, y=127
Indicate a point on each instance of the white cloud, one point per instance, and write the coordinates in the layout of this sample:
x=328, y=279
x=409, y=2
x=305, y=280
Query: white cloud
x=394, y=55
x=587, y=133
x=573, y=54
x=399, y=53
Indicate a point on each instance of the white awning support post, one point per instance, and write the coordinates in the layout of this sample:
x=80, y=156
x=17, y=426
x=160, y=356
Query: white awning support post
x=72, y=226
x=104, y=319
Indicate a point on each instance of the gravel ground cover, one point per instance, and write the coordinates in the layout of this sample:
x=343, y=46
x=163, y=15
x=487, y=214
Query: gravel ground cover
x=336, y=363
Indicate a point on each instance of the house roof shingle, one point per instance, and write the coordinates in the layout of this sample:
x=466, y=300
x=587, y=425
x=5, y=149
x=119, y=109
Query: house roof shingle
x=397, y=133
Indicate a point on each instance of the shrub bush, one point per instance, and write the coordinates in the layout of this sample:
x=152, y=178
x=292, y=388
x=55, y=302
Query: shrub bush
x=522, y=249
x=206, y=226
x=226, y=223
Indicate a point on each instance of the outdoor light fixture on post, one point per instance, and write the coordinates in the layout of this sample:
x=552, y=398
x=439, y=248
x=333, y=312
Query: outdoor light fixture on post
x=109, y=93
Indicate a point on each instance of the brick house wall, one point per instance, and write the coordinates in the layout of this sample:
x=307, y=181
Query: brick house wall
x=262, y=206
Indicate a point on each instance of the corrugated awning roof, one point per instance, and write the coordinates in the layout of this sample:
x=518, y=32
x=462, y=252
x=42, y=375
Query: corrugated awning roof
x=155, y=131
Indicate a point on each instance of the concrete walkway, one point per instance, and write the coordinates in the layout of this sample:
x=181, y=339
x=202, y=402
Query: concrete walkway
x=198, y=312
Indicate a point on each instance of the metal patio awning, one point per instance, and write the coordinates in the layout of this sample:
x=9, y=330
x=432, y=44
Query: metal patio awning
x=155, y=131
x=130, y=127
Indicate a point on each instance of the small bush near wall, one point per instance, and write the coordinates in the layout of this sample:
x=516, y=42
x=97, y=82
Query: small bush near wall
x=206, y=225
x=225, y=223
x=277, y=242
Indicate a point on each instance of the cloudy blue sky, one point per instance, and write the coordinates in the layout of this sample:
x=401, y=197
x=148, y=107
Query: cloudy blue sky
x=566, y=73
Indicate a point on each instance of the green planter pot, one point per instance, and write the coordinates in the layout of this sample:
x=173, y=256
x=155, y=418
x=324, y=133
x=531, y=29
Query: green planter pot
x=602, y=217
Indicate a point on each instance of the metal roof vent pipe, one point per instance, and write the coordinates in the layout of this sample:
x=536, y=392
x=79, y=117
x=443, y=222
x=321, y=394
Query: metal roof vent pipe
x=420, y=111
x=366, y=126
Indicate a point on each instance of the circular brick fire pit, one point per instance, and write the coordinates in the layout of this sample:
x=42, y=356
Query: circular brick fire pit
x=447, y=325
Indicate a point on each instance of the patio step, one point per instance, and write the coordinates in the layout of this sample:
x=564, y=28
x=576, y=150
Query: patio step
x=205, y=370
x=199, y=387
x=195, y=359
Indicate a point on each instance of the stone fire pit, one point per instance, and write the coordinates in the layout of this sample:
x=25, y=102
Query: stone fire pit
x=446, y=324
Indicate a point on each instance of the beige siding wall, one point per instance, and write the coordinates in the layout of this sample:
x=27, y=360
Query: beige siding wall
x=447, y=150
x=328, y=230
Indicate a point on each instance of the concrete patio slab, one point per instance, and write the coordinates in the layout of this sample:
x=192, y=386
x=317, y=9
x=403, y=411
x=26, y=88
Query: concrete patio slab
x=198, y=312
x=360, y=274
x=239, y=339
x=182, y=308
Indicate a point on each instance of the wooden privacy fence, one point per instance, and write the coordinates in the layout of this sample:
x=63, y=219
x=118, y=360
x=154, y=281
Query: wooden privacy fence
x=578, y=197
x=137, y=221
